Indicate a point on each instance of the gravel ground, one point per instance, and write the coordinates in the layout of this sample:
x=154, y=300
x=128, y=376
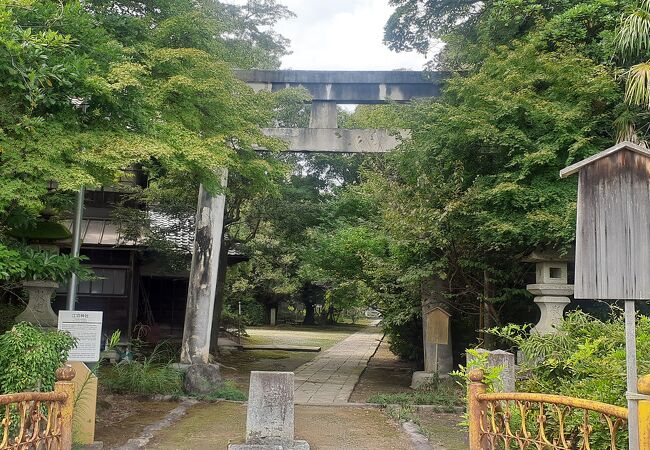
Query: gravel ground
x=212, y=426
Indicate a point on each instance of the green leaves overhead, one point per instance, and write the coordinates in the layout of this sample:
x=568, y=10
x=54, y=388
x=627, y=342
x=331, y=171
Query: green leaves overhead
x=89, y=90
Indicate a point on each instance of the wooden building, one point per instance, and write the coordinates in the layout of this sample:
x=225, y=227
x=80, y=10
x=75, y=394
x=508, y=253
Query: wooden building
x=133, y=289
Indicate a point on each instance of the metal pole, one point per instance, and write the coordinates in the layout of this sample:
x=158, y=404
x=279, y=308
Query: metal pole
x=630, y=357
x=239, y=324
x=76, y=247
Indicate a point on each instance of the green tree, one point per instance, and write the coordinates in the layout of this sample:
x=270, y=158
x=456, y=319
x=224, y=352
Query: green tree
x=633, y=44
x=477, y=184
x=470, y=29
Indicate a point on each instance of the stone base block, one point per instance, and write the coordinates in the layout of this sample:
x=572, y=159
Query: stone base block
x=422, y=379
x=297, y=445
x=202, y=379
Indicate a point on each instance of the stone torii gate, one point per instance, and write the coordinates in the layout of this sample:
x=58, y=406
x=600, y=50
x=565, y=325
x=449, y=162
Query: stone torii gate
x=328, y=89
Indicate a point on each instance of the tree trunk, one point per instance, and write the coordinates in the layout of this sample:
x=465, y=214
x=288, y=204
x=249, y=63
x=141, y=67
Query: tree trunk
x=310, y=316
x=330, y=316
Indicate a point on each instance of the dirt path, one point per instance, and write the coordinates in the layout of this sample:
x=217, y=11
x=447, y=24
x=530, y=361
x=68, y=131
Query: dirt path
x=212, y=426
x=332, y=375
x=385, y=373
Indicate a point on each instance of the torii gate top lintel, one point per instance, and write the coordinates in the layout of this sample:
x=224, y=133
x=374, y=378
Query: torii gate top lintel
x=331, y=88
x=350, y=87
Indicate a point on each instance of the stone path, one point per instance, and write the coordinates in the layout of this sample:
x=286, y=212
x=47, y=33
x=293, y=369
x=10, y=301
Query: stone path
x=332, y=375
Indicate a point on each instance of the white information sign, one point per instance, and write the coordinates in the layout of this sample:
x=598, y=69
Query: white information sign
x=86, y=327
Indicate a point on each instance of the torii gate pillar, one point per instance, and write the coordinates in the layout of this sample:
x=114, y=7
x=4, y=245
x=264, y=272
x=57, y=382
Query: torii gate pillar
x=203, y=275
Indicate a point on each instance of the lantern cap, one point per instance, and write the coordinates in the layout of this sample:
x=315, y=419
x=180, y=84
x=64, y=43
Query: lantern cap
x=625, y=145
x=547, y=255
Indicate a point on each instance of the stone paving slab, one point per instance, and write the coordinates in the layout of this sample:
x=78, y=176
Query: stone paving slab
x=332, y=375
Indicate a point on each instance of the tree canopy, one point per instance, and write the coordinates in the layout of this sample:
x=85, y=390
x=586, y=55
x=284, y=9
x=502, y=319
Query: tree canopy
x=90, y=89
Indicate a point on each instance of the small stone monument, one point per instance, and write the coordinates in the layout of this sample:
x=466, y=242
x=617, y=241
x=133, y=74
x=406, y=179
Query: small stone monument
x=270, y=414
x=507, y=361
x=550, y=289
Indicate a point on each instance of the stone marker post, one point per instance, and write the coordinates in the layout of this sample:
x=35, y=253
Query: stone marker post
x=436, y=335
x=270, y=414
x=507, y=361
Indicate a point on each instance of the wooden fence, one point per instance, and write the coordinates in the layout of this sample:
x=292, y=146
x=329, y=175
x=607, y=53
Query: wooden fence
x=39, y=420
x=513, y=420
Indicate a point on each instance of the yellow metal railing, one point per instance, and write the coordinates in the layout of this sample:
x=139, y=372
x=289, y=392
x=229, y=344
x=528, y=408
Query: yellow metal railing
x=39, y=420
x=538, y=421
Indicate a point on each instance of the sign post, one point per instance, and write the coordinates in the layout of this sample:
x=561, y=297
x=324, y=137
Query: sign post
x=613, y=243
x=86, y=327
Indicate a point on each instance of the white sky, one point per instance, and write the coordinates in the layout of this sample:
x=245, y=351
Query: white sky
x=341, y=35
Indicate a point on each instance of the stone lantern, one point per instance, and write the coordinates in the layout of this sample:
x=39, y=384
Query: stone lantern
x=551, y=288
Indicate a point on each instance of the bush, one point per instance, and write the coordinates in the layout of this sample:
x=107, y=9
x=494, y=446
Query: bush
x=31, y=264
x=585, y=358
x=30, y=356
x=8, y=313
x=405, y=337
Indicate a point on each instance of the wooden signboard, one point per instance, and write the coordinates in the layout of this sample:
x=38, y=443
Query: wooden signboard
x=438, y=326
x=613, y=224
x=613, y=242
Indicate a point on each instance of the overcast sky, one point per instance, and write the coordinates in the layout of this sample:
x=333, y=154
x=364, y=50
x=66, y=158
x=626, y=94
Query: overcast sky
x=341, y=35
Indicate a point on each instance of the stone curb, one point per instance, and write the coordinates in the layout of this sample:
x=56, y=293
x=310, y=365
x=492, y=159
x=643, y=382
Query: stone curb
x=148, y=433
x=421, y=408
x=420, y=442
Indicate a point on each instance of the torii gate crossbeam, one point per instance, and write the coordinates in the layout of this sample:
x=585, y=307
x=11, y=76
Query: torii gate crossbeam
x=327, y=89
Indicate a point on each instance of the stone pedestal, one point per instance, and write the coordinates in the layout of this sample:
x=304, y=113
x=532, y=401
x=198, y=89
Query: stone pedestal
x=202, y=379
x=270, y=413
x=39, y=308
x=552, y=309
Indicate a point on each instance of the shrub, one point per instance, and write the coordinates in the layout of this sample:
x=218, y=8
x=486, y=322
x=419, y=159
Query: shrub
x=43, y=265
x=30, y=356
x=8, y=313
x=585, y=358
x=32, y=264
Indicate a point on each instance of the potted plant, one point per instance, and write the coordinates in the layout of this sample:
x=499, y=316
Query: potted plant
x=41, y=274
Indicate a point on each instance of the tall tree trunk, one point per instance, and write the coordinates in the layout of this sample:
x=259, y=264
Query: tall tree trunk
x=310, y=316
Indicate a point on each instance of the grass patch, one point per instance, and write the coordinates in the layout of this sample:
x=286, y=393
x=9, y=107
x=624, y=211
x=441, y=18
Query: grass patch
x=443, y=393
x=147, y=375
x=142, y=378
x=229, y=391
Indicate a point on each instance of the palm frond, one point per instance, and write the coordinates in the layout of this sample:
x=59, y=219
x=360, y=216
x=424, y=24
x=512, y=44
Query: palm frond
x=637, y=89
x=625, y=128
x=633, y=37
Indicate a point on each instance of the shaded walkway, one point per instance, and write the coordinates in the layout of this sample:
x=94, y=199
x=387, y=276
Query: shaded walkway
x=332, y=375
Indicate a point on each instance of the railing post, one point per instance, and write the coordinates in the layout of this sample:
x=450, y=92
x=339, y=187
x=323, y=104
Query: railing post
x=475, y=408
x=64, y=384
x=644, y=413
